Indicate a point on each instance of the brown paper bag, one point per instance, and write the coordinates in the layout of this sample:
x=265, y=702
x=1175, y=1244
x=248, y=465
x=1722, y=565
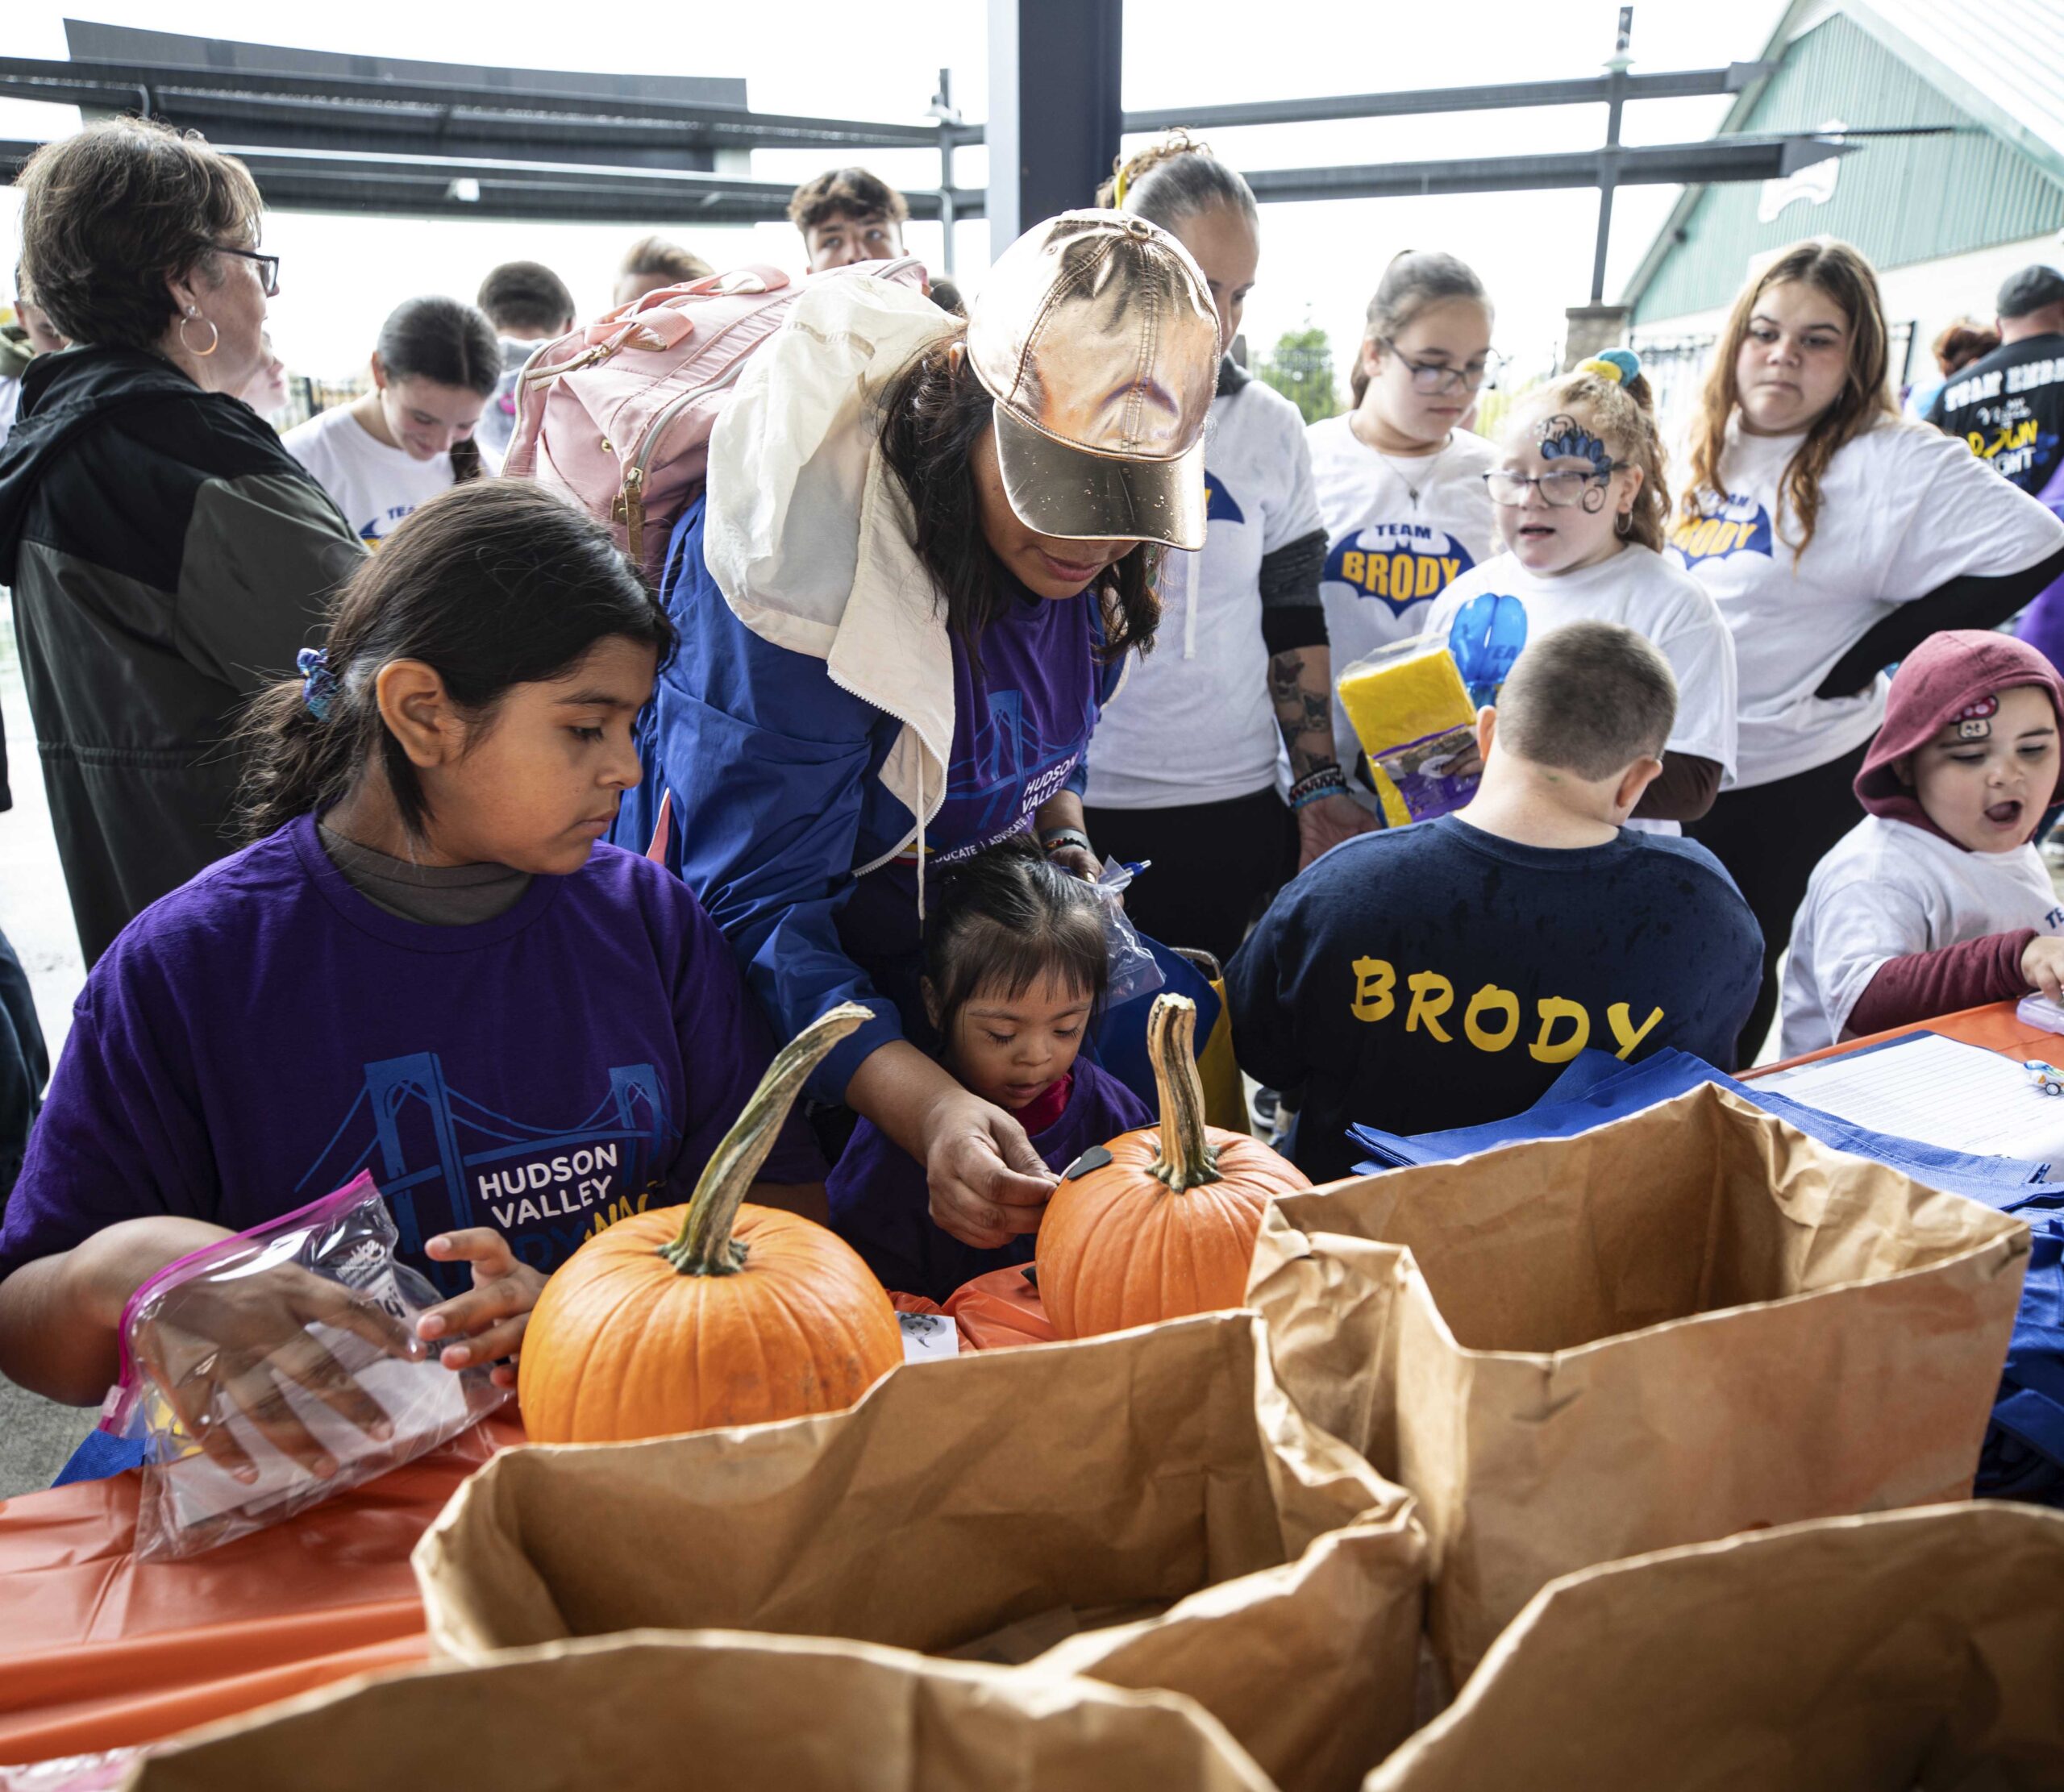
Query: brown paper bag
x=650, y=1713
x=1687, y=1323
x=1916, y=1650
x=1159, y=1471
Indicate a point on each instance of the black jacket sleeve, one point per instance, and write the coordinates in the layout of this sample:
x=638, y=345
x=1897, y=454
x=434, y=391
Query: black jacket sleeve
x=1970, y=602
x=1292, y=615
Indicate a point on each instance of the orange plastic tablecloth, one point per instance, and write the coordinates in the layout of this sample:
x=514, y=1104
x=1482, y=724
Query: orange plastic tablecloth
x=99, y=1651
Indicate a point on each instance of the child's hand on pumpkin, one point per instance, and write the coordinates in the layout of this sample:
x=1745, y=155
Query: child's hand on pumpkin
x=488, y=1323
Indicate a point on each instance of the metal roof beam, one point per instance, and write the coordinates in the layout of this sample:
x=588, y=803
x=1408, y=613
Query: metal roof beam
x=1592, y=90
x=430, y=184
x=1724, y=159
x=119, y=85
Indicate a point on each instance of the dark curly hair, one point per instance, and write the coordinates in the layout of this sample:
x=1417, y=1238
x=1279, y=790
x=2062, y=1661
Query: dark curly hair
x=932, y=413
x=111, y=213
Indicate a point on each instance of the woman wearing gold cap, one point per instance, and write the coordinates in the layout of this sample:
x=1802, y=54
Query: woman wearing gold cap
x=924, y=549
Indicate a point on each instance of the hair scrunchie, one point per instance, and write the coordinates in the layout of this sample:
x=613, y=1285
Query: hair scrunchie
x=318, y=683
x=1621, y=366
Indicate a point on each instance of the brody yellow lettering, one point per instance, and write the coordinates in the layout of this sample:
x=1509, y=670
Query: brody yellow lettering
x=1554, y=1009
x=1621, y=1018
x=1490, y=997
x=1432, y=996
x=1373, y=981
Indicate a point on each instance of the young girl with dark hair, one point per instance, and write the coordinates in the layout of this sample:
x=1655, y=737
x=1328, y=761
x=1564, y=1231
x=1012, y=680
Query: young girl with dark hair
x=1016, y=966
x=425, y=966
x=1400, y=480
x=1182, y=771
x=1582, y=503
x=1835, y=537
x=924, y=548
x=438, y=363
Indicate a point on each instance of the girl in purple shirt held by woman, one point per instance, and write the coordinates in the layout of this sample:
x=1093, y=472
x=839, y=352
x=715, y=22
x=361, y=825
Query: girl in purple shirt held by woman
x=426, y=965
x=1016, y=967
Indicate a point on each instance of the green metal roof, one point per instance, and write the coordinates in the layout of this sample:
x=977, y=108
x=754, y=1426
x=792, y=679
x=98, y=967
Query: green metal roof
x=1899, y=199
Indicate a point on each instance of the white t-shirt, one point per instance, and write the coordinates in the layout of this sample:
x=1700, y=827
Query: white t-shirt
x=1194, y=723
x=1387, y=555
x=1487, y=616
x=1888, y=889
x=375, y=486
x=1903, y=509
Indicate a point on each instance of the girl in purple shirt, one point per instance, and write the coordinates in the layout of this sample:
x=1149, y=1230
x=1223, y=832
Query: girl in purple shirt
x=1015, y=969
x=426, y=965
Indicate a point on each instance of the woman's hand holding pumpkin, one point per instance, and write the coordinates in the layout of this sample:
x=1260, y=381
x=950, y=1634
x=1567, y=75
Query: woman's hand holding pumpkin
x=487, y=1322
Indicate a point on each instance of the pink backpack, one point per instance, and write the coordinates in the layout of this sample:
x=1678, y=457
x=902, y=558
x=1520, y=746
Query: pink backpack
x=618, y=414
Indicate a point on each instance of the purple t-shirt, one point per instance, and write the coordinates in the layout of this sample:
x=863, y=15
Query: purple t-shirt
x=880, y=1201
x=260, y=1035
x=1020, y=723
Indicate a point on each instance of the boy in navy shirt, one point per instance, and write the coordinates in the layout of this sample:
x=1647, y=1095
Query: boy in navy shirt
x=1443, y=975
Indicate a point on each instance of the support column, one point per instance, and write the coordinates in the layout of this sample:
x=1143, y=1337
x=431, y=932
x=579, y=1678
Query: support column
x=1053, y=110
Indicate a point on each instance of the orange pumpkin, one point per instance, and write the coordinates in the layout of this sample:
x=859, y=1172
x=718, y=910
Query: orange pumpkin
x=1158, y=1223
x=712, y=1314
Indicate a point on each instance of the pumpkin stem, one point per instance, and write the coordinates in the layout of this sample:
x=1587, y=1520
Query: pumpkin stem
x=1188, y=1159
x=704, y=1245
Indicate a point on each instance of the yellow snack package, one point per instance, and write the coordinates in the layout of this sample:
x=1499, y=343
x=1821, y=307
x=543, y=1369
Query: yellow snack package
x=1412, y=712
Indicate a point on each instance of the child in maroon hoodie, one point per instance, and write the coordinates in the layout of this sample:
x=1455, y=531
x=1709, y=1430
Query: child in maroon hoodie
x=1936, y=900
x=1016, y=967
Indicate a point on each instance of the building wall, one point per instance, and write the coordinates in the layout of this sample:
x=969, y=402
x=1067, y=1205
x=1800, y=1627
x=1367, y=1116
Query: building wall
x=1901, y=200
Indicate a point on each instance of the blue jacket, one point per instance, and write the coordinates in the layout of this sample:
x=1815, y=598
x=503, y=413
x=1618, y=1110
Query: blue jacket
x=777, y=801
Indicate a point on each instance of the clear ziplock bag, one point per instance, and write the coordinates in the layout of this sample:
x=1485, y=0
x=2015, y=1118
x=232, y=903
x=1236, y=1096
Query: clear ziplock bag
x=234, y=1339
x=1133, y=970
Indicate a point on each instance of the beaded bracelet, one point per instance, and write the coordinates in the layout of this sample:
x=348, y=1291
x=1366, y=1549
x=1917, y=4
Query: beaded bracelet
x=1328, y=780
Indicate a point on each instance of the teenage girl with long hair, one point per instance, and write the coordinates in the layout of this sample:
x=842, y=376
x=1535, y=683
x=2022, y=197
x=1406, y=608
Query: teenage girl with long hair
x=1835, y=537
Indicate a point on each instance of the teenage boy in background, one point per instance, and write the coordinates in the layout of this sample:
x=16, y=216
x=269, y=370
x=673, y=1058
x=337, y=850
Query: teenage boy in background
x=1422, y=977
x=527, y=304
x=848, y=215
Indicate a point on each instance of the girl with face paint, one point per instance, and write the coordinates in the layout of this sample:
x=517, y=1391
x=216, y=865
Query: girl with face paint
x=1578, y=487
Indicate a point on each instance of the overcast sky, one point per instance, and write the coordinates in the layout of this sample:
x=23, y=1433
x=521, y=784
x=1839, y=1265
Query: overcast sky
x=340, y=275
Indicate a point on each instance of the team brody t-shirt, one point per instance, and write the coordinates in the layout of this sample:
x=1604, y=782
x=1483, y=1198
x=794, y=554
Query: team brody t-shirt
x=1021, y=719
x=1195, y=723
x=1888, y=889
x=1388, y=556
x=1489, y=615
x=375, y=486
x=1432, y=976
x=1904, y=510
x=264, y=1033
x=2009, y=406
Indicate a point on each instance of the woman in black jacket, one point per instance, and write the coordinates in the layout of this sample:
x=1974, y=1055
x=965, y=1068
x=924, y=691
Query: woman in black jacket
x=167, y=556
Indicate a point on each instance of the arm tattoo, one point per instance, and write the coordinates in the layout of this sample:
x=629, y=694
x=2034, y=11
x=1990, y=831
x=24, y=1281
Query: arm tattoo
x=1304, y=714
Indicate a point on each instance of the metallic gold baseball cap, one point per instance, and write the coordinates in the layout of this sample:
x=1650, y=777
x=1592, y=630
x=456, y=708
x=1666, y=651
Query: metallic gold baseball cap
x=1096, y=335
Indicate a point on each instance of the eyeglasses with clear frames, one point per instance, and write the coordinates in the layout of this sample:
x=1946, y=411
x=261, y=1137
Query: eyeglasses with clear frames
x=1558, y=490
x=268, y=266
x=1436, y=376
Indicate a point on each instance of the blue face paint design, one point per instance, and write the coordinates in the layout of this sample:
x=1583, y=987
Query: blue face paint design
x=1564, y=438
x=1486, y=637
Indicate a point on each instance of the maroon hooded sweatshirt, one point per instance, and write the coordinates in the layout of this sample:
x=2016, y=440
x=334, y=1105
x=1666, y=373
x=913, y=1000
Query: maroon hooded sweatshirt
x=1949, y=674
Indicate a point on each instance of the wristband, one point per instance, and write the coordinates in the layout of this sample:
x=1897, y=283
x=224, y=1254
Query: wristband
x=1062, y=837
x=1328, y=780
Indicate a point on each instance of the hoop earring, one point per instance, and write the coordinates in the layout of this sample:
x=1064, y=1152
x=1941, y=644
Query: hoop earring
x=1623, y=525
x=214, y=337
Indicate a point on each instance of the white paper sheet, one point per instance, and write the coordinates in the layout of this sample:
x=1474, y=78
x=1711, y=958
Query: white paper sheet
x=1939, y=1091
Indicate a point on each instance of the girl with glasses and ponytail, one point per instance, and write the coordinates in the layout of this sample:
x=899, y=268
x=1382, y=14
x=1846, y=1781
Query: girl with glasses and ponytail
x=1836, y=537
x=1399, y=477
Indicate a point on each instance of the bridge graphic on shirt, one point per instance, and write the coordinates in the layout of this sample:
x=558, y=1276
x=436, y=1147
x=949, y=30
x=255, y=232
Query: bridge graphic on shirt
x=1005, y=756
x=420, y=1138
